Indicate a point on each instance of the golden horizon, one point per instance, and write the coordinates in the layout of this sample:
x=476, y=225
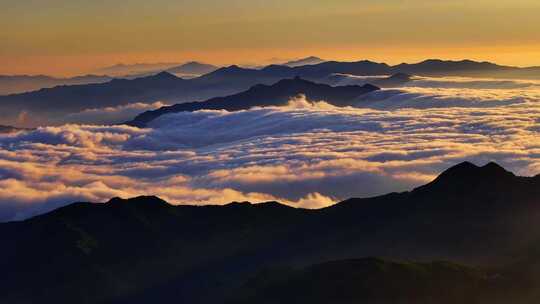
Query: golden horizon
x=62, y=37
x=73, y=65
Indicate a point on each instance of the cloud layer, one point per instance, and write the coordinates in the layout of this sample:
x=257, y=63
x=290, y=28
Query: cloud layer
x=110, y=115
x=307, y=155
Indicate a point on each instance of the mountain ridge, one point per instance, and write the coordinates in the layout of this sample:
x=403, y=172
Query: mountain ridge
x=130, y=251
x=277, y=94
x=231, y=80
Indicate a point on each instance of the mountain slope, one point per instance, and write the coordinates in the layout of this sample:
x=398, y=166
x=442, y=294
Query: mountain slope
x=65, y=100
x=372, y=280
x=68, y=99
x=261, y=95
x=142, y=249
x=466, y=68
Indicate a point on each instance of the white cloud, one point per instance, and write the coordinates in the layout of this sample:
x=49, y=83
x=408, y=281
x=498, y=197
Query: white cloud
x=110, y=115
x=305, y=154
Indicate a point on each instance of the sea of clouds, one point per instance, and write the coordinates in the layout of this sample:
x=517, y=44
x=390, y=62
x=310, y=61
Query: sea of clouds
x=307, y=154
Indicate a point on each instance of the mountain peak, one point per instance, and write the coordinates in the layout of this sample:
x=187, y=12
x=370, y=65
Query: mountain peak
x=468, y=168
x=494, y=168
x=139, y=200
x=273, y=205
x=234, y=67
x=239, y=204
x=468, y=175
x=464, y=63
x=193, y=67
x=164, y=75
x=228, y=71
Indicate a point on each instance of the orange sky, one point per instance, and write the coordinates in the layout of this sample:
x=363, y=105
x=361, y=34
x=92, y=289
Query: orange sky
x=64, y=37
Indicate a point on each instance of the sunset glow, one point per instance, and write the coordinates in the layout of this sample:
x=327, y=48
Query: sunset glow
x=68, y=37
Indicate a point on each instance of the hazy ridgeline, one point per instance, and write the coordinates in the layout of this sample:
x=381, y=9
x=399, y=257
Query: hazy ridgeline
x=123, y=96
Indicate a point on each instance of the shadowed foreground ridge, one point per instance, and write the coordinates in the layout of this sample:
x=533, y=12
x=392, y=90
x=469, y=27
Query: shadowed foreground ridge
x=144, y=250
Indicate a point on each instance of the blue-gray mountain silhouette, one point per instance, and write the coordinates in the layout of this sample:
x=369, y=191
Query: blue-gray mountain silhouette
x=226, y=81
x=193, y=68
x=262, y=95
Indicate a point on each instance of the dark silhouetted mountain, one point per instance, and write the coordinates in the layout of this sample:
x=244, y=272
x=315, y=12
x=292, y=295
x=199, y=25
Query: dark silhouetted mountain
x=436, y=67
x=63, y=100
x=272, y=73
x=144, y=250
x=364, y=67
x=26, y=83
x=317, y=72
x=75, y=98
x=304, y=61
x=242, y=77
x=193, y=68
x=278, y=94
x=467, y=68
x=433, y=67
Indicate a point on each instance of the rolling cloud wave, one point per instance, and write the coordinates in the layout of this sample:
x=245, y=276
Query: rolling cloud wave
x=305, y=154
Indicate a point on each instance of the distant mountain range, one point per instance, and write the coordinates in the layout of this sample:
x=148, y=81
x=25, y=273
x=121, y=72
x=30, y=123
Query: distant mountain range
x=262, y=95
x=226, y=81
x=192, y=68
x=144, y=250
x=55, y=103
x=160, y=87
